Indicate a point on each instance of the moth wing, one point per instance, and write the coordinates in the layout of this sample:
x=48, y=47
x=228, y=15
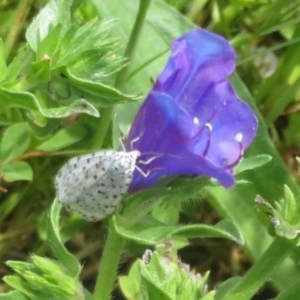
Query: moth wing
x=105, y=192
x=94, y=184
x=75, y=176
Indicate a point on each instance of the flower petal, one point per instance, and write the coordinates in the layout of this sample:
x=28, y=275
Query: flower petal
x=164, y=140
x=192, y=122
x=160, y=124
x=232, y=124
x=199, y=59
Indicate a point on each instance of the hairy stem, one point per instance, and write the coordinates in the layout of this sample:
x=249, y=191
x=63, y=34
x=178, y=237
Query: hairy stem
x=261, y=270
x=108, y=266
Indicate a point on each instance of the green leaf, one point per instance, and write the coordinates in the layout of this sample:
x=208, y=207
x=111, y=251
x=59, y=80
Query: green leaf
x=17, y=283
x=3, y=67
x=15, y=141
x=64, y=138
x=226, y=286
x=83, y=59
x=89, y=50
x=55, y=12
x=48, y=48
x=166, y=212
x=209, y=296
x=284, y=214
x=44, y=278
x=164, y=276
x=11, y=98
x=26, y=100
x=66, y=258
x=79, y=105
x=87, y=295
x=13, y=295
x=153, y=291
x=18, y=170
x=260, y=272
x=54, y=275
x=252, y=162
x=179, y=190
x=131, y=283
x=17, y=65
x=99, y=93
x=292, y=292
x=151, y=232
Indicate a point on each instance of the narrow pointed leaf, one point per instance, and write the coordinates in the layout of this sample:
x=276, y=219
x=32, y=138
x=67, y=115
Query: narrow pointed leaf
x=66, y=258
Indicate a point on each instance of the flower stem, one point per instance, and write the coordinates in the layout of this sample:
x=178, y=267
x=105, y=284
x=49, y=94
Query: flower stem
x=261, y=270
x=133, y=40
x=13, y=34
x=104, y=123
x=106, y=114
x=108, y=266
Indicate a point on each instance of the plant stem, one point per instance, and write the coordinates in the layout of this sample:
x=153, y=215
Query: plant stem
x=261, y=270
x=18, y=23
x=106, y=114
x=195, y=9
x=108, y=266
x=104, y=123
x=133, y=40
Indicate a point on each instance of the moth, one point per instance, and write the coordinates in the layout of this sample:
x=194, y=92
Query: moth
x=94, y=184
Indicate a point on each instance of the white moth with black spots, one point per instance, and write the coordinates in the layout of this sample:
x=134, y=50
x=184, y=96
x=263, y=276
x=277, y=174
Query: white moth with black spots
x=94, y=184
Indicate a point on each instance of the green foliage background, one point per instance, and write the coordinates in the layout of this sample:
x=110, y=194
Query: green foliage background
x=50, y=108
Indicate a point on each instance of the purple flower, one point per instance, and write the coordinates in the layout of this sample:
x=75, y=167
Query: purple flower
x=192, y=122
